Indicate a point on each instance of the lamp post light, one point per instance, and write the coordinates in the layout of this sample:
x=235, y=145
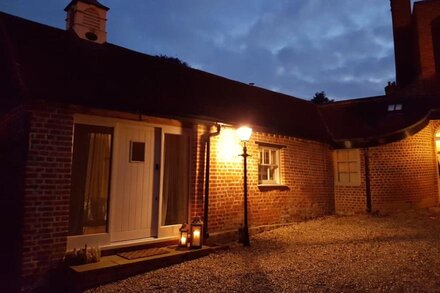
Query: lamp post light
x=245, y=133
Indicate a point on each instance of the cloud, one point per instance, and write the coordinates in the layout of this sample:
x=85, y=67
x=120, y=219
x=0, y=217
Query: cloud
x=298, y=47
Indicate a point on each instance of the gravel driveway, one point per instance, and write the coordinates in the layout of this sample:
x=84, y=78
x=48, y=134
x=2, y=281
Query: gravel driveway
x=388, y=253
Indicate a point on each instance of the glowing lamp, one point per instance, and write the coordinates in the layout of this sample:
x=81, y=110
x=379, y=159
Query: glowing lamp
x=196, y=233
x=183, y=239
x=244, y=133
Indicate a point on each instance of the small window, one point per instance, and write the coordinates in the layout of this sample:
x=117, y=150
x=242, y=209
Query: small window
x=395, y=107
x=347, y=167
x=137, y=152
x=269, y=167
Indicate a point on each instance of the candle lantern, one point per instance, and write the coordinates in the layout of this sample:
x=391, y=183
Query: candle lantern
x=196, y=233
x=183, y=239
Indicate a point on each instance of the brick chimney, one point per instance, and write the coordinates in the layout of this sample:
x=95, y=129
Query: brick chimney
x=88, y=19
x=403, y=51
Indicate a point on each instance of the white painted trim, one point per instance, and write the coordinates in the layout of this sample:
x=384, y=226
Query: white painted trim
x=79, y=241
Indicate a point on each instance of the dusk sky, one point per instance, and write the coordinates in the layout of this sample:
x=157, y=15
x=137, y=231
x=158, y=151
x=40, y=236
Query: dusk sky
x=297, y=47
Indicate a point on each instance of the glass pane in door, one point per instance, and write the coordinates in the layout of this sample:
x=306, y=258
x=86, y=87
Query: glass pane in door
x=175, y=180
x=90, y=179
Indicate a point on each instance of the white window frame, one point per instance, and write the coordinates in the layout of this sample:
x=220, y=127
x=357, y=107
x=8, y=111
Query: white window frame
x=277, y=165
x=347, y=162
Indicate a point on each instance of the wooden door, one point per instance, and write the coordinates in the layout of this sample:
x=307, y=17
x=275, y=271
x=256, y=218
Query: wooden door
x=131, y=198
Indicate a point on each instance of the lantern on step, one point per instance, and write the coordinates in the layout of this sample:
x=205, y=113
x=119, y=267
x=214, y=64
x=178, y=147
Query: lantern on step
x=183, y=239
x=197, y=233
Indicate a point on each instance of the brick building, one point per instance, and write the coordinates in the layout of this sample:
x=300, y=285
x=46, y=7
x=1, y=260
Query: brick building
x=105, y=146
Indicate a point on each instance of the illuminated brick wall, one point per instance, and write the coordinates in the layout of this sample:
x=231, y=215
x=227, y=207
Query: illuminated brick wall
x=306, y=177
x=403, y=174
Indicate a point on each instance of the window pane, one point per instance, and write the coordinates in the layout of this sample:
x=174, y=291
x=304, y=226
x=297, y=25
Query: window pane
x=266, y=157
x=273, y=157
x=176, y=180
x=272, y=173
x=90, y=179
x=137, y=151
x=264, y=173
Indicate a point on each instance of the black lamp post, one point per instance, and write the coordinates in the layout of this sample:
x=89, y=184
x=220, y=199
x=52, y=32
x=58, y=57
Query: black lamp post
x=245, y=133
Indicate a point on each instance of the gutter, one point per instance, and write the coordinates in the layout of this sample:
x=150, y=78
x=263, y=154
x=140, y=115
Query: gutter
x=206, y=202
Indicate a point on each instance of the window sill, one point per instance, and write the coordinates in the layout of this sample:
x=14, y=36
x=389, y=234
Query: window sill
x=267, y=187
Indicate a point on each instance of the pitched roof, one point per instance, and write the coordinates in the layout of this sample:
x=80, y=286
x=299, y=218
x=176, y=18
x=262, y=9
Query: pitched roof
x=55, y=65
x=368, y=121
x=41, y=62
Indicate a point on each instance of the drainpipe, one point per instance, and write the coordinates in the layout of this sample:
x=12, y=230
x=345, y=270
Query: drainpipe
x=367, y=180
x=208, y=156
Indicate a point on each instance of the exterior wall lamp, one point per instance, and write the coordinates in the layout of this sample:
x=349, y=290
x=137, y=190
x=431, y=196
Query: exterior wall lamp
x=244, y=133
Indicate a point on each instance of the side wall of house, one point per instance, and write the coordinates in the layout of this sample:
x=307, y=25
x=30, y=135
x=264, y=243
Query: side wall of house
x=306, y=188
x=13, y=147
x=403, y=174
x=47, y=191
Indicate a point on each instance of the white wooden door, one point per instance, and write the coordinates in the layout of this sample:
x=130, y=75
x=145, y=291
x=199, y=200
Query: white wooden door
x=131, y=198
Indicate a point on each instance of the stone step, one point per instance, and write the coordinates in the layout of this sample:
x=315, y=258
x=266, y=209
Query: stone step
x=114, y=267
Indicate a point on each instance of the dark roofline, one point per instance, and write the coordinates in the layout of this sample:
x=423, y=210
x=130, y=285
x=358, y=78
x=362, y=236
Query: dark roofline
x=92, y=2
x=139, y=83
x=352, y=101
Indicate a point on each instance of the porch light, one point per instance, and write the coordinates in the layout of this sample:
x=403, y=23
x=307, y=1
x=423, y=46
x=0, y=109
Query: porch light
x=244, y=133
x=196, y=233
x=183, y=240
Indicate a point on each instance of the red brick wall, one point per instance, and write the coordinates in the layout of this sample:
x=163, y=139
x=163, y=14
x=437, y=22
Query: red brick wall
x=306, y=174
x=47, y=190
x=403, y=174
x=425, y=13
x=13, y=147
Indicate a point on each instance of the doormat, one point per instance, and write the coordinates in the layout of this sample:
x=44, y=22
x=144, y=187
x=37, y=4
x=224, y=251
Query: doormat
x=143, y=253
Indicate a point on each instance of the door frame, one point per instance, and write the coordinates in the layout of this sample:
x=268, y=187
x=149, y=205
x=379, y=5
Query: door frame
x=160, y=130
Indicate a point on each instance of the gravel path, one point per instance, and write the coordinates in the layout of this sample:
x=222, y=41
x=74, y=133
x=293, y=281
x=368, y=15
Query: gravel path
x=396, y=253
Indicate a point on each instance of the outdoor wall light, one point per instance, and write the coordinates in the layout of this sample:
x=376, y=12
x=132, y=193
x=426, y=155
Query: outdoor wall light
x=245, y=133
x=196, y=233
x=183, y=239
